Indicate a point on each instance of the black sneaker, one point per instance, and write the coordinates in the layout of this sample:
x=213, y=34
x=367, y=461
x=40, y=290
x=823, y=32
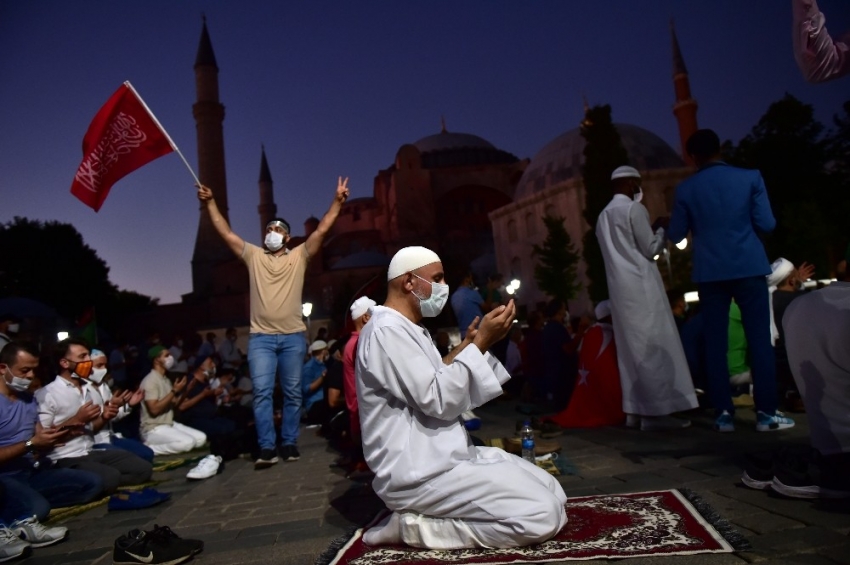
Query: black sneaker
x=289, y=453
x=166, y=535
x=267, y=458
x=137, y=547
x=758, y=471
x=796, y=475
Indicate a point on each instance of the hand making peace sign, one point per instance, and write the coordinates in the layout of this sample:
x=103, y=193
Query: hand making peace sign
x=342, y=190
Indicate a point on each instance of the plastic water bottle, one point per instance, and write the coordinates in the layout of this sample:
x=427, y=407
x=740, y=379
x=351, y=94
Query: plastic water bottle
x=527, y=437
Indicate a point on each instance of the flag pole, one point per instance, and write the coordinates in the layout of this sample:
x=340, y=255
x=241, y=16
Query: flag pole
x=165, y=133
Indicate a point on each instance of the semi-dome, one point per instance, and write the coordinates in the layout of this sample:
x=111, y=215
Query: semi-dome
x=448, y=149
x=561, y=159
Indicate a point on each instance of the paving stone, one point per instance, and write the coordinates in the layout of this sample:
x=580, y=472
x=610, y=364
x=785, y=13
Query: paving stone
x=765, y=522
x=803, y=540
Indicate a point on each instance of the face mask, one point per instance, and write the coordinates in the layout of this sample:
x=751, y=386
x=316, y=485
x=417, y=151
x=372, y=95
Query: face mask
x=18, y=384
x=13, y=328
x=168, y=362
x=97, y=375
x=433, y=305
x=274, y=241
x=82, y=369
x=638, y=195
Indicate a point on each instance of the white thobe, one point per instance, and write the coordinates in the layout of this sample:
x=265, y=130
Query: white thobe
x=819, y=56
x=449, y=493
x=653, y=370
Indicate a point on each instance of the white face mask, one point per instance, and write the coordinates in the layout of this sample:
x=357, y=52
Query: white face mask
x=13, y=328
x=433, y=305
x=18, y=384
x=168, y=362
x=274, y=241
x=638, y=196
x=97, y=375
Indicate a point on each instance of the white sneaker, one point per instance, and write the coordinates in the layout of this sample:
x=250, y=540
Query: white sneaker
x=11, y=546
x=208, y=467
x=37, y=535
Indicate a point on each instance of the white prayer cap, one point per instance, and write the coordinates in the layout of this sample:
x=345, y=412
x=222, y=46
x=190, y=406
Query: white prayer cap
x=409, y=259
x=602, y=310
x=318, y=345
x=361, y=306
x=780, y=270
x=624, y=172
x=96, y=354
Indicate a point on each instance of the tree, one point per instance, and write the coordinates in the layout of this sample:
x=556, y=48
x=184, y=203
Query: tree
x=788, y=146
x=50, y=262
x=603, y=152
x=555, y=272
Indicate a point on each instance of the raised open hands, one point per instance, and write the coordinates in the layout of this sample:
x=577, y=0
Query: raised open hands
x=495, y=325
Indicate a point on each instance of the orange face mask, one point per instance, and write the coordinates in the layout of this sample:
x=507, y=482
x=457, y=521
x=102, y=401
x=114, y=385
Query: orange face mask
x=83, y=369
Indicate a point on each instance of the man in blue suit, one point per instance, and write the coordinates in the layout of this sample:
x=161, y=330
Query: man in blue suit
x=724, y=208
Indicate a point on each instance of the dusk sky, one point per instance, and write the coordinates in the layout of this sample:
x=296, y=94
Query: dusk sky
x=334, y=88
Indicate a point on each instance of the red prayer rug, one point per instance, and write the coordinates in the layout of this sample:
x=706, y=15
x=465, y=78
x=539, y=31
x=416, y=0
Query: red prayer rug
x=612, y=526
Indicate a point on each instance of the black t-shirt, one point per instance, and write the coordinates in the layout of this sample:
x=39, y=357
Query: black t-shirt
x=206, y=408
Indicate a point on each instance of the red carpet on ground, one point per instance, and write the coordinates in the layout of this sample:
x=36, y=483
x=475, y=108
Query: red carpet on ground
x=606, y=526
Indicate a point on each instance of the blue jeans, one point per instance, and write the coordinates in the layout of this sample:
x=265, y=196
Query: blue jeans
x=284, y=354
x=34, y=493
x=750, y=293
x=135, y=447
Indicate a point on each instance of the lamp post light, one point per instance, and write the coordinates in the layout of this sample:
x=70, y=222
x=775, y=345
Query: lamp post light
x=682, y=245
x=306, y=310
x=61, y=335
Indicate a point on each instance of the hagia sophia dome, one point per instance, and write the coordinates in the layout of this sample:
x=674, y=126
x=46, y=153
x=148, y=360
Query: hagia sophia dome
x=449, y=149
x=561, y=159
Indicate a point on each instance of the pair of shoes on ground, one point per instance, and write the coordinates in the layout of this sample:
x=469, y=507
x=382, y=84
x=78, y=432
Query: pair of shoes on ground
x=798, y=474
x=209, y=466
x=135, y=499
x=764, y=423
x=160, y=546
x=543, y=428
x=655, y=423
x=269, y=457
x=22, y=535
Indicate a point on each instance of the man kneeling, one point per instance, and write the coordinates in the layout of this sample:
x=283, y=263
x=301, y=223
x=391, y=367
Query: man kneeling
x=444, y=492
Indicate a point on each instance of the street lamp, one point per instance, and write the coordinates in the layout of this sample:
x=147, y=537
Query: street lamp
x=682, y=245
x=61, y=335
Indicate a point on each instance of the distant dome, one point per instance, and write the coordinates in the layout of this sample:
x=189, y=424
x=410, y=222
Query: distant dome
x=447, y=149
x=446, y=140
x=561, y=158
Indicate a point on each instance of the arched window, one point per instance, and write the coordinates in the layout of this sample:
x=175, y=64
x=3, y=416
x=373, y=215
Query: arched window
x=531, y=224
x=512, y=234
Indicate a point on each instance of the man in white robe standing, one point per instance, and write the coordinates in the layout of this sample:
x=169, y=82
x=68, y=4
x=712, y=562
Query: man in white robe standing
x=653, y=370
x=444, y=492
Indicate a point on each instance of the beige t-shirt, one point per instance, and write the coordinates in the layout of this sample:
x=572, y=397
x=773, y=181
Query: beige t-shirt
x=276, y=286
x=156, y=386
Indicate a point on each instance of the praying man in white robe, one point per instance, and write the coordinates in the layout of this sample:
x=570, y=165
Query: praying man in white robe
x=654, y=373
x=444, y=492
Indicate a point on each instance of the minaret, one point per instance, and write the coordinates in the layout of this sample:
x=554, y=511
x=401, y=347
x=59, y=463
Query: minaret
x=685, y=108
x=267, y=207
x=210, y=248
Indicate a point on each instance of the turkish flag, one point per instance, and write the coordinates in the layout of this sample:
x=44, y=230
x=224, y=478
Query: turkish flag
x=122, y=137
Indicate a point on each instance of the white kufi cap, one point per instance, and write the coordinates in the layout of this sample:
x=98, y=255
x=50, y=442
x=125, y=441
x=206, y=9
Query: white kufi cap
x=409, y=259
x=780, y=270
x=602, y=310
x=318, y=345
x=361, y=306
x=625, y=172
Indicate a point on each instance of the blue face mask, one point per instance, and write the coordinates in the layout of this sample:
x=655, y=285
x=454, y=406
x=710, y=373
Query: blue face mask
x=433, y=305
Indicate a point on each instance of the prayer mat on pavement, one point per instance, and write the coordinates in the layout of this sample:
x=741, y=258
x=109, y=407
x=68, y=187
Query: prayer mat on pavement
x=614, y=526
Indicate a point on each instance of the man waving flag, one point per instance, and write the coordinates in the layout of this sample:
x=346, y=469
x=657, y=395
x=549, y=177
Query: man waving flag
x=123, y=136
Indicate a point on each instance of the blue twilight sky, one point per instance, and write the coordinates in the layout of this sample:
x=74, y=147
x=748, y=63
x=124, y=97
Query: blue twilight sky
x=335, y=88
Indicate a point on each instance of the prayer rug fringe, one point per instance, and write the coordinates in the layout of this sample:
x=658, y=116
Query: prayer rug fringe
x=725, y=528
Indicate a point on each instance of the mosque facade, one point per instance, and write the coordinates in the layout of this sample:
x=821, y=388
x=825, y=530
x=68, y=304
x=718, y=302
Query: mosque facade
x=478, y=206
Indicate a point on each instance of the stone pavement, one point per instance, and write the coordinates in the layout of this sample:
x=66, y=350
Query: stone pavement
x=288, y=514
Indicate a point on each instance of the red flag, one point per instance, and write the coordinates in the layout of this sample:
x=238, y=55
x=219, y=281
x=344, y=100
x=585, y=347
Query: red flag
x=122, y=137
